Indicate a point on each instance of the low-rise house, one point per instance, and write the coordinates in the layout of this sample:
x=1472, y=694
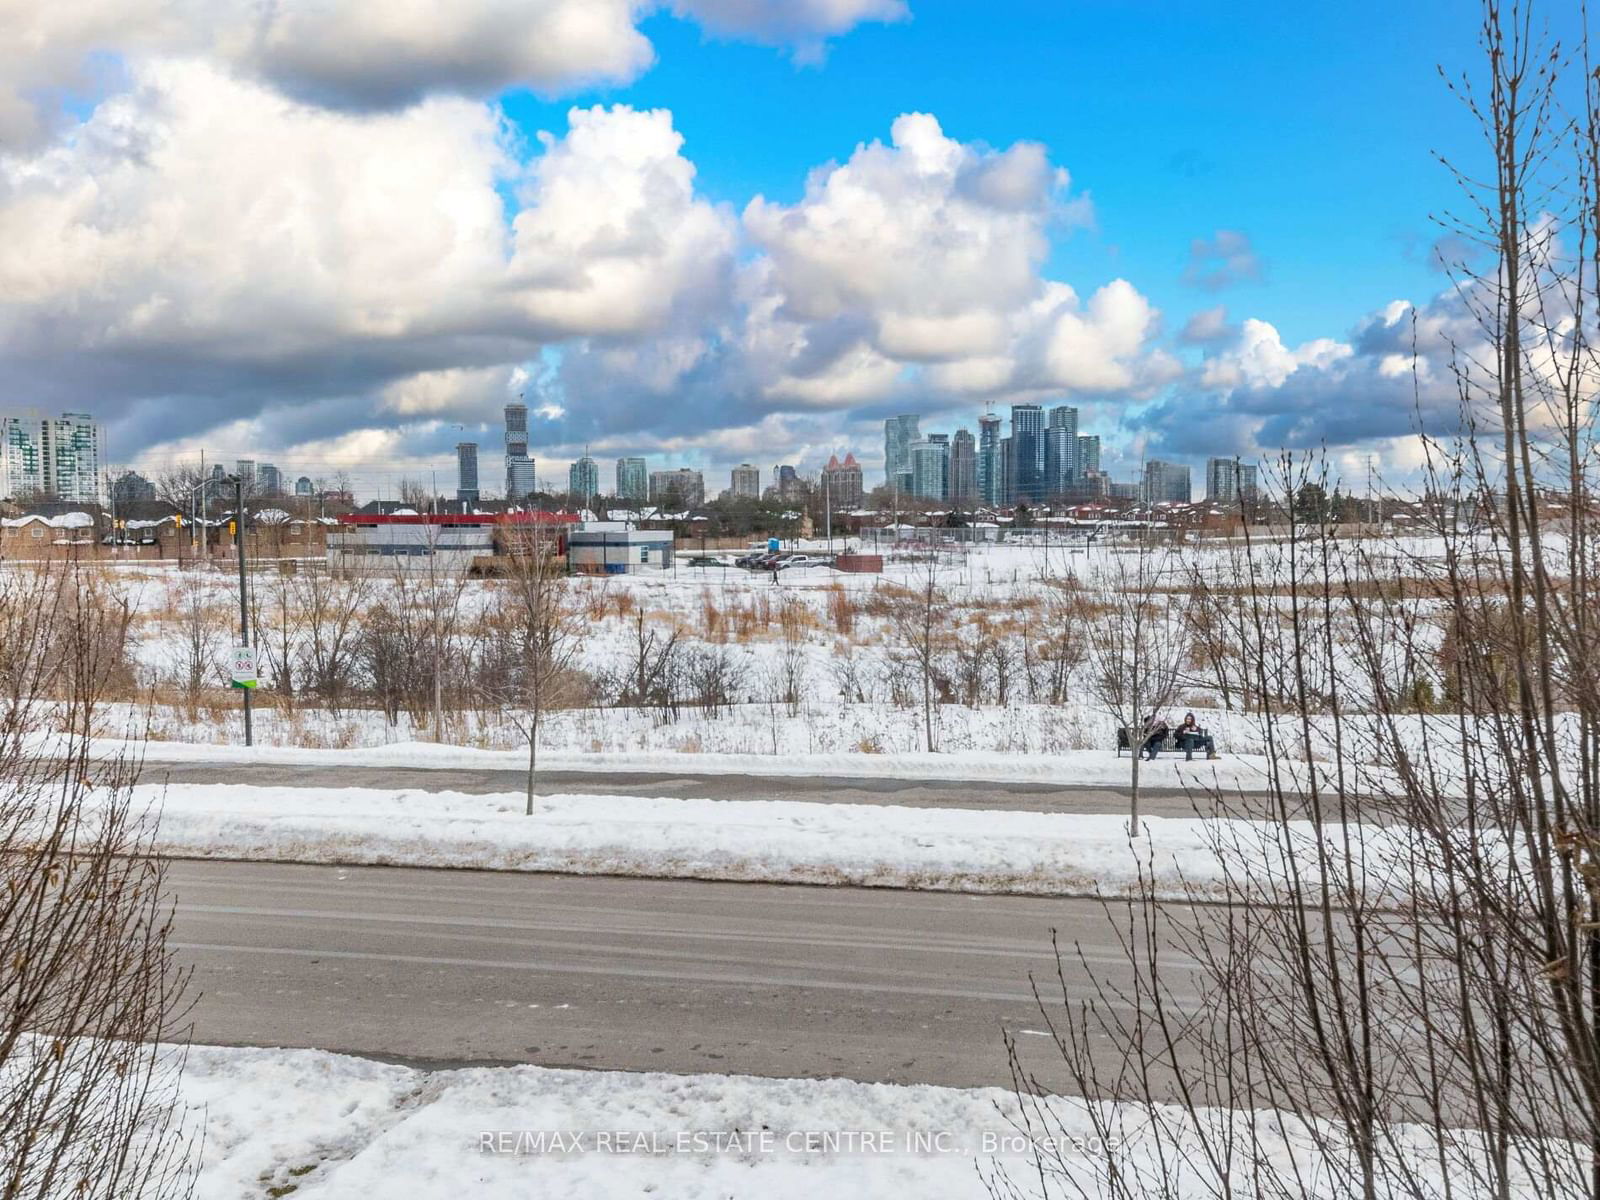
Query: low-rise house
x=65, y=535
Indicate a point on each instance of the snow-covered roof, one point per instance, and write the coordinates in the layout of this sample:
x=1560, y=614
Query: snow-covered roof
x=69, y=520
x=272, y=516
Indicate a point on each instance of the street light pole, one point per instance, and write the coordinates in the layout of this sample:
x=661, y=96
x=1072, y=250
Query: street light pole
x=244, y=593
x=827, y=506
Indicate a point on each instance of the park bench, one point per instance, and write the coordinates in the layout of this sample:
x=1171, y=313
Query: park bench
x=1168, y=744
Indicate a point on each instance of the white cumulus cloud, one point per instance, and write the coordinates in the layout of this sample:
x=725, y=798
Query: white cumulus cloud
x=203, y=235
x=1258, y=358
x=614, y=239
x=926, y=253
x=350, y=54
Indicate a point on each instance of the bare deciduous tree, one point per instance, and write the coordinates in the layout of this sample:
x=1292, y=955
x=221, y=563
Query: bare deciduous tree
x=1135, y=644
x=920, y=622
x=415, y=495
x=331, y=609
x=90, y=998
x=545, y=625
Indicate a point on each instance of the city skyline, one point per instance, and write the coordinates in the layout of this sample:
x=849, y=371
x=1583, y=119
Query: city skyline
x=548, y=470
x=1055, y=464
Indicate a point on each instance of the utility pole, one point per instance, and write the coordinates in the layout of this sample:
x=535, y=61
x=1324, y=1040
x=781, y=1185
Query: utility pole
x=1370, y=510
x=244, y=595
x=198, y=529
x=827, y=506
x=111, y=498
x=1378, y=497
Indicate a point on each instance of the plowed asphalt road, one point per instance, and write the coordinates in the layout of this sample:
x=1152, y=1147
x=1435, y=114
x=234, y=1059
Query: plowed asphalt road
x=455, y=967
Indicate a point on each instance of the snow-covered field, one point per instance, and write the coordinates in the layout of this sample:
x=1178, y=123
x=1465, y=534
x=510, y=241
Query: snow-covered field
x=742, y=840
x=810, y=666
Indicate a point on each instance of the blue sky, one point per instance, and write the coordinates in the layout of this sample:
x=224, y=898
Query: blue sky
x=1311, y=128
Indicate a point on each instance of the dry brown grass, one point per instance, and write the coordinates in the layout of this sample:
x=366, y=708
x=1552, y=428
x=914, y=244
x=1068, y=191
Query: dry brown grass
x=882, y=600
x=987, y=622
x=597, y=601
x=1025, y=603
x=749, y=622
x=713, y=620
x=795, y=619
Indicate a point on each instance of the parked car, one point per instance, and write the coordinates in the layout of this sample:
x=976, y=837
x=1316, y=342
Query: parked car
x=706, y=560
x=802, y=560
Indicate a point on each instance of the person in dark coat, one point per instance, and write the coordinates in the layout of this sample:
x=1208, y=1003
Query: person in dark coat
x=1190, y=737
x=1155, y=732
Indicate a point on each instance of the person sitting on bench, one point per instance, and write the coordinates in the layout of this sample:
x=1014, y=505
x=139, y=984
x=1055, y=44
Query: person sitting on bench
x=1190, y=737
x=1155, y=732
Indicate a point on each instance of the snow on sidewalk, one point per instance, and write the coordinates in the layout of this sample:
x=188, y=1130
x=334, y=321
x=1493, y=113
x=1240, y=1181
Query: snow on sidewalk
x=1079, y=768
x=336, y=1125
x=332, y=1125
x=282, y=1122
x=746, y=840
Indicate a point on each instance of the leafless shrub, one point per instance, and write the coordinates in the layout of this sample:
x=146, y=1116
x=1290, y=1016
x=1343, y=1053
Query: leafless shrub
x=972, y=650
x=920, y=621
x=1062, y=648
x=654, y=671
x=712, y=678
x=331, y=609
x=202, y=636
x=849, y=673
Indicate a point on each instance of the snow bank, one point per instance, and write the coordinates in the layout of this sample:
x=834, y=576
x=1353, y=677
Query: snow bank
x=774, y=841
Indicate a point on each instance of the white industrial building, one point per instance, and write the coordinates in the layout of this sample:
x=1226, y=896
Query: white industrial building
x=596, y=550
x=449, y=543
x=401, y=542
